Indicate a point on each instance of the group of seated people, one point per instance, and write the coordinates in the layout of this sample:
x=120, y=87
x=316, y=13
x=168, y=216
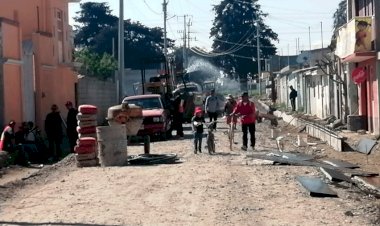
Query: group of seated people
x=29, y=144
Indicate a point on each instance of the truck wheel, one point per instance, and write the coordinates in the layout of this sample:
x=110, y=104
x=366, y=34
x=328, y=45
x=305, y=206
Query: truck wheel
x=163, y=136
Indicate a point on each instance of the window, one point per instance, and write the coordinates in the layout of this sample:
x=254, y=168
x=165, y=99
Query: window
x=364, y=8
x=60, y=35
x=147, y=103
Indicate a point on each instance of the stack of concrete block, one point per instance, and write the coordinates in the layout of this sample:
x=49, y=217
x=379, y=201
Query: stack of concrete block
x=86, y=148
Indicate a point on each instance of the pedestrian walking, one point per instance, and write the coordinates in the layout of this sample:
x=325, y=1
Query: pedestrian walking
x=53, y=129
x=246, y=110
x=229, y=107
x=292, y=97
x=197, y=125
x=72, y=124
x=212, y=106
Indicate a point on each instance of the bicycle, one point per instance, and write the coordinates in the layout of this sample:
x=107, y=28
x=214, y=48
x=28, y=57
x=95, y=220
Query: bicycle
x=211, y=137
x=231, y=135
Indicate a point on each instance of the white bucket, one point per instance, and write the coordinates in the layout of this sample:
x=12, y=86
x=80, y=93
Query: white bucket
x=112, y=145
x=114, y=132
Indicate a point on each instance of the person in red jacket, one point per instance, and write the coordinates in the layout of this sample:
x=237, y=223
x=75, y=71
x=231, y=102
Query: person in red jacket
x=246, y=110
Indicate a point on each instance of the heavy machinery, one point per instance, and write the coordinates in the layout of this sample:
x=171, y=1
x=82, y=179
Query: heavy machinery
x=160, y=84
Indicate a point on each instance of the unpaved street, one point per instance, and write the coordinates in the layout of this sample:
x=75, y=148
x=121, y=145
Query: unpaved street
x=224, y=189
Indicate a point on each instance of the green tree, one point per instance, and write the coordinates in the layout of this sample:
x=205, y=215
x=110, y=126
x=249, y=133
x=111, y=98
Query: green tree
x=99, y=31
x=234, y=33
x=95, y=65
x=340, y=15
x=93, y=17
x=339, y=19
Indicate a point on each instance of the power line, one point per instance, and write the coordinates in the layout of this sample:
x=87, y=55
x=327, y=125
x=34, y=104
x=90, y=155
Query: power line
x=155, y=12
x=246, y=45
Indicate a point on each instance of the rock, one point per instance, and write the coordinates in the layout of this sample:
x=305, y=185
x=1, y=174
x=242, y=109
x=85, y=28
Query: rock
x=361, y=131
x=349, y=213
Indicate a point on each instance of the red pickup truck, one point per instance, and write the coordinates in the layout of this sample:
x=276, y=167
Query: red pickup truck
x=157, y=119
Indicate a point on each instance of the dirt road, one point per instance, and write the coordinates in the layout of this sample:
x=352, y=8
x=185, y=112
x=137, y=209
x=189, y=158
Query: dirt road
x=223, y=189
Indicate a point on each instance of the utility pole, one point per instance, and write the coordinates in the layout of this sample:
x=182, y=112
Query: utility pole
x=184, y=43
x=258, y=55
x=164, y=5
x=188, y=33
x=322, y=34
x=120, y=52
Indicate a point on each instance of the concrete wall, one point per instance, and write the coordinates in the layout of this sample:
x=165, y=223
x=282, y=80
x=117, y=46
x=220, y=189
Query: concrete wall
x=99, y=93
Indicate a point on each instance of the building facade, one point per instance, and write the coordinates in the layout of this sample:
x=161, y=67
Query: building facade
x=357, y=47
x=44, y=64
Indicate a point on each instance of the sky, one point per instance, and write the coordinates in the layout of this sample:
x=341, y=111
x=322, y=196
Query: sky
x=290, y=19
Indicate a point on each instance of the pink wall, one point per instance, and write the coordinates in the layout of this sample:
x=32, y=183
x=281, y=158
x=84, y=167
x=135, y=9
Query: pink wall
x=12, y=93
x=55, y=81
x=11, y=42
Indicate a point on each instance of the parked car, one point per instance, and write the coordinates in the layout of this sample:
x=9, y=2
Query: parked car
x=157, y=119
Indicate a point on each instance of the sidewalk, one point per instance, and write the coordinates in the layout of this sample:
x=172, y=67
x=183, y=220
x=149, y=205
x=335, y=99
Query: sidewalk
x=342, y=141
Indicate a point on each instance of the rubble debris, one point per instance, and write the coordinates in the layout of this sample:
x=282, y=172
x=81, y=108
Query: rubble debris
x=365, y=146
x=287, y=159
x=152, y=159
x=297, y=156
x=316, y=187
x=302, y=129
x=348, y=213
x=340, y=163
x=370, y=182
x=356, y=172
x=336, y=124
x=335, y=175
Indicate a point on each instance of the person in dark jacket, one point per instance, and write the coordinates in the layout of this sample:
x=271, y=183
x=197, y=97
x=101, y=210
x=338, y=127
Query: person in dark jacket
x=71, y=124
x=178, y=115
x=292, y=97
x=53, y=129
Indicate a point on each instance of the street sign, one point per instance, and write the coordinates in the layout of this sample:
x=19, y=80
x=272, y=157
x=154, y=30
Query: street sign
x=359, y=75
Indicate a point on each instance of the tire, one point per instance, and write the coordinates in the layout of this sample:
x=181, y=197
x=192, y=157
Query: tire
x=169, y=133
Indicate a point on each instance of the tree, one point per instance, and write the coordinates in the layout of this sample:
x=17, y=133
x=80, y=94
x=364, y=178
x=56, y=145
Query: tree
x=340, y=15
x=339, y=19
x=234, y=33
x=95, y=65
x=93, y=18
x=99, y=28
